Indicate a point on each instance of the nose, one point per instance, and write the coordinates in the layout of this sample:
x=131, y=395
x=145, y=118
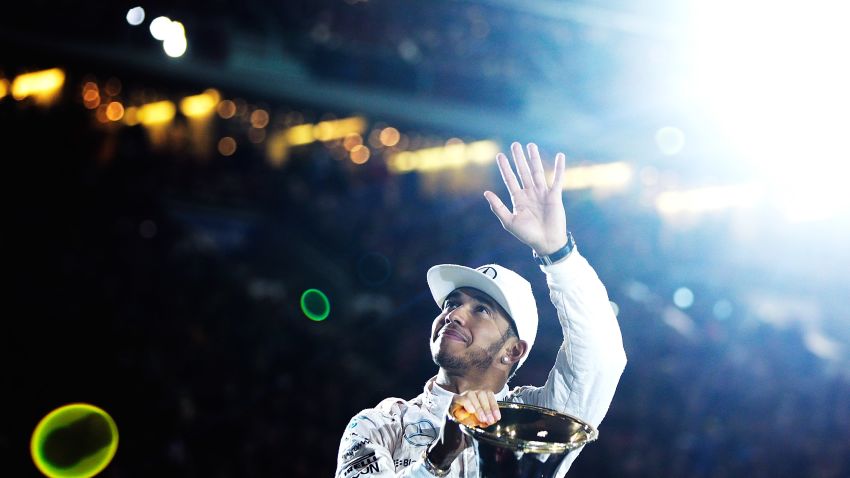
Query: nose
x=454, y=316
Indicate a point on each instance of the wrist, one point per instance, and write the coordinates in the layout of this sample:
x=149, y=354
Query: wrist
x=550, y=246
x=557, y=255
x=434, y=464
x=443, y=451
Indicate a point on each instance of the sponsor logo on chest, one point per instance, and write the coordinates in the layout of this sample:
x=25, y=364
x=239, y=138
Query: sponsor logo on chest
x=420, y=433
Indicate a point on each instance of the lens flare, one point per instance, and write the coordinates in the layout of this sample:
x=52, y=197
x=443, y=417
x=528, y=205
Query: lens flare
x=74, y=441
x=315, y=305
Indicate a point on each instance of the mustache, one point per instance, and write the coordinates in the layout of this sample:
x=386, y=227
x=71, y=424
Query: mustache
x=455, y=330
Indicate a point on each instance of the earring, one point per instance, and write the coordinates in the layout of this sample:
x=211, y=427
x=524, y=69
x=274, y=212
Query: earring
x=505, y=360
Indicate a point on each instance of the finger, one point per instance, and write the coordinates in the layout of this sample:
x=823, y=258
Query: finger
x=536, y=166
x=508, y=175
x=467, y=404
x=477, y=407
x=464, y=412
x=494, y=406
x=471, y=421
x=557, y=179
x=498, y=207
x=458, y=411
x=463, y=416
x=487, y=406
x=522, y=166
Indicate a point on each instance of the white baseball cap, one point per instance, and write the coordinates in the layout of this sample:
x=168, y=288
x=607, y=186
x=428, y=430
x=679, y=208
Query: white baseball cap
x=505, y=286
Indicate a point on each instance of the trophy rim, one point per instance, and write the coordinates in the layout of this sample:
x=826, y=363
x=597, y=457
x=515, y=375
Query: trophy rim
x=532, y=446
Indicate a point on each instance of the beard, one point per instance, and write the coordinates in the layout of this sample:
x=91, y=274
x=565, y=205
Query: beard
x=476, y=359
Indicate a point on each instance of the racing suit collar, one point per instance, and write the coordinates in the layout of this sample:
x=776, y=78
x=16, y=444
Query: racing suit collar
x=438, y=399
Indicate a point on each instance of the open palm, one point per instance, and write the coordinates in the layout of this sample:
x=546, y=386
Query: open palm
x=538, y=218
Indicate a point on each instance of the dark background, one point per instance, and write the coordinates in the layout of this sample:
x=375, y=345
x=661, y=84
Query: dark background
x=163, y=286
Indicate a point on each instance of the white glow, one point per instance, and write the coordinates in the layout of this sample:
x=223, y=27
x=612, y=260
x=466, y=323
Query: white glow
x=722, y=309
x=135, y=16
x=679, y=321
x=775, y=76
x=701, y=200
x=822, y=346
x=683, y=298
x=638, y=291
x=611, y=176
x=175, y=46
x=160, y=27
x=174, y=30
x=670, y=140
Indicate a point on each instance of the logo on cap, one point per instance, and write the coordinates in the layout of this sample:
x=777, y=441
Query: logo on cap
x=488, y=271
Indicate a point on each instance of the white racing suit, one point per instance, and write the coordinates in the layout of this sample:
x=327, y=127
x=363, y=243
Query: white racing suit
x=388, y=440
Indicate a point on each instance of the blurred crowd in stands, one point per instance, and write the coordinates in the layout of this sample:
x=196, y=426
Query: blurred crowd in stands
x=166, y=291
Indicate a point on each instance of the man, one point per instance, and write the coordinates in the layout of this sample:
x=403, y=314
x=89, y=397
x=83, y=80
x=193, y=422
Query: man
x=484, y=332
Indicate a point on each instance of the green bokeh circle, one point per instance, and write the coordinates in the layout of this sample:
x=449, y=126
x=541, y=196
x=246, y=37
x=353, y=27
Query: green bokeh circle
x=82, y=437
x=315, y=305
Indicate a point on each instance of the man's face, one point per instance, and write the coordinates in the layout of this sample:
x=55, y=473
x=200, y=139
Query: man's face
x=469, y=333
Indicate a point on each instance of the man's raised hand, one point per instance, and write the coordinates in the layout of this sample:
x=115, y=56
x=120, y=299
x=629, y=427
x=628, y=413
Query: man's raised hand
x=538, y=218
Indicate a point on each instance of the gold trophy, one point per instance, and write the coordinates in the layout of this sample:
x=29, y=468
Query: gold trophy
x=528, y=441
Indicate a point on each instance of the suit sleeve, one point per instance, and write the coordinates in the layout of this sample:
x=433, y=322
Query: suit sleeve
x=591, y=359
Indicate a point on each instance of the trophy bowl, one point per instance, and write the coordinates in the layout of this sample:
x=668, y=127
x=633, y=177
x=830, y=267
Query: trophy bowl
x=528, y=441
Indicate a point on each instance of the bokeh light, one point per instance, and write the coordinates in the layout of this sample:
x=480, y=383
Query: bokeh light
x=172, y=34
x=157, y=113
x=359, y=154
x=722, y=309
x=670, y=140
x=259, y=118
x=315, y=305
x=201, y=105
x=135, y=16
x=159, y=27
x=683, y=298
x=256, y=135
x=375, y=138
x=101, y=115
x=389, y=136
x=44, y=86
x=227, y=109
x=112, y=87
x=131, y=116
x=91, y=98
x=351, y=140
x=227, y=146
x=74, y=441
x=115, y=111
x=175, y=46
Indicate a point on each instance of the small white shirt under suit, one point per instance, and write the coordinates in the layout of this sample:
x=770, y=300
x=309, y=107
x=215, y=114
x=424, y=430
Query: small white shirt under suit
x=388, y=440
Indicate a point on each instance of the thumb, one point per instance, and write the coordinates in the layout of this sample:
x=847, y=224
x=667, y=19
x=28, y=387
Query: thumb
x=498, y=207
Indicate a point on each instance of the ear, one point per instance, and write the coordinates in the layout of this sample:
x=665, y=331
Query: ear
x=516, y=351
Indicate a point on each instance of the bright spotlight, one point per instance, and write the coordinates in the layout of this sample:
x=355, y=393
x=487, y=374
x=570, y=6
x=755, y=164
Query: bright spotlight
x=775, y=76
